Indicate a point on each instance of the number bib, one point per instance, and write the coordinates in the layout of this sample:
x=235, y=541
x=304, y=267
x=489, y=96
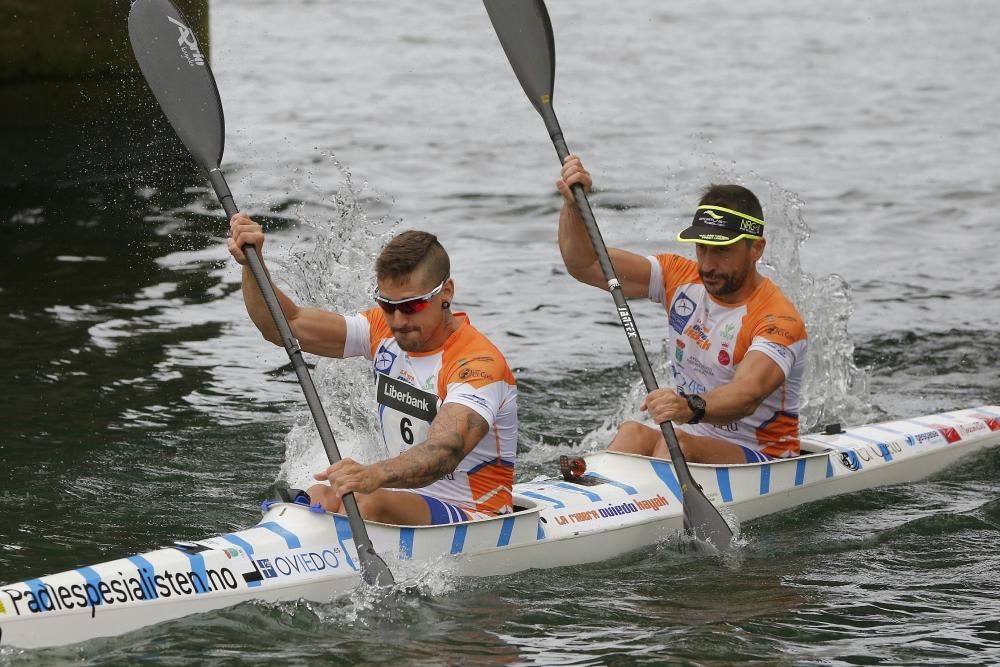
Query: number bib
x=405, y=413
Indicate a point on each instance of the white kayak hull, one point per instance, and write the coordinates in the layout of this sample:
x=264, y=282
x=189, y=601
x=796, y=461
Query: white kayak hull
x=630, y=502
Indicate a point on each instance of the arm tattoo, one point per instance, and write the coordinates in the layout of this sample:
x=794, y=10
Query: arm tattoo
x=454, y=432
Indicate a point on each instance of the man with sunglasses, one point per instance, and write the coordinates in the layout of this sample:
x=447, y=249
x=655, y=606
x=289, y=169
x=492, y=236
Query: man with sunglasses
x=447, y=401
x=737, y=345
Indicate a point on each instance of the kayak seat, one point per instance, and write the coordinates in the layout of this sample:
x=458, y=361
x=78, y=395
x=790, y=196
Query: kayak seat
x=290, y=495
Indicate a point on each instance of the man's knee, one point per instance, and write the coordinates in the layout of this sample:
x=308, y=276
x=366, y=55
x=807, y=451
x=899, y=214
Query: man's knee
x=635, y=438
x=323, y=494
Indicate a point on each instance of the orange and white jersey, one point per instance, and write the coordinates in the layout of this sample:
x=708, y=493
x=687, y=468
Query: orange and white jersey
x=412, y=386
x=708, y=340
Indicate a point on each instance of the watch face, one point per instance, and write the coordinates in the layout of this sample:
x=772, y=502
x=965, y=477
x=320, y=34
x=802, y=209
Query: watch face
x=696, y=402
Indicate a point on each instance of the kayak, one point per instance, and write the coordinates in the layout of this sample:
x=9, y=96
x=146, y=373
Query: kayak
x=620, y=503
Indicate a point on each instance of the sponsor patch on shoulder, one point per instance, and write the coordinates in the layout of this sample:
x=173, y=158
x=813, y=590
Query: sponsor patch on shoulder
x=778, y=349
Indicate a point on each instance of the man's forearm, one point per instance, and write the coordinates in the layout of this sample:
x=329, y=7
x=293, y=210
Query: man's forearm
x=729, y=403
x=455, y=429
x=257, y=307
x=424, y=464
x=574, y=243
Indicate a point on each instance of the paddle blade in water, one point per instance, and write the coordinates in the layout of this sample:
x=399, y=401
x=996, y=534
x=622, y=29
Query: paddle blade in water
x=179, y=76
x=703, y=520
x=525, y=33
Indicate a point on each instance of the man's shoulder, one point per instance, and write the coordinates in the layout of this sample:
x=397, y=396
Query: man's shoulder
x=676, y=270
x=772, y=312
x=475, y=359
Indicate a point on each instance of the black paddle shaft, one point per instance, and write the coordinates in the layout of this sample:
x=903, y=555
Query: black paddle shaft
x=181, y=80
x=525, y=33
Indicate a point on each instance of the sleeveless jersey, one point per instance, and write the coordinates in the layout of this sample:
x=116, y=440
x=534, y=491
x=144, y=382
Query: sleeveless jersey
x=708, y=340
x=412, y=386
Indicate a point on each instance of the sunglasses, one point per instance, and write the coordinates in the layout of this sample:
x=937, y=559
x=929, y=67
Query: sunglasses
x=411, y=305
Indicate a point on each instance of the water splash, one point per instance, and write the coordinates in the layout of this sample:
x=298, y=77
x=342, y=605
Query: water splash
x=835, y=388
x=331, y=266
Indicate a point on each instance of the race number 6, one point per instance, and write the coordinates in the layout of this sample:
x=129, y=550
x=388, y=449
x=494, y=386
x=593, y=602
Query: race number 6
x=405, y=431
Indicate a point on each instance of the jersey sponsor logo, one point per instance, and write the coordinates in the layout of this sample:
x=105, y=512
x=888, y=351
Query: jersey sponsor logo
x=775, y=330
x=406, y=398
x=724, y=355
x=700, y=367
x=467, y=373
x=729, y=332
x=699, y=334
x=475, y=398
x=679, y=350
x=681, y=311
x=686, y=385
x=778, y=349
x=384, y=359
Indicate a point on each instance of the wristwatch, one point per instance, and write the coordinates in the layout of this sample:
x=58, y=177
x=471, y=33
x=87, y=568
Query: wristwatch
x=697, y=405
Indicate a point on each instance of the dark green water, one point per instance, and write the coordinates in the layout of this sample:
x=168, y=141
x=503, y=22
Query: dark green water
x=140, y=407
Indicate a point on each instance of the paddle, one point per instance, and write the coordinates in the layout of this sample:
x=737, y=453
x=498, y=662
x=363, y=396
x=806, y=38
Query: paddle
x=525, y=33
x=180, y=78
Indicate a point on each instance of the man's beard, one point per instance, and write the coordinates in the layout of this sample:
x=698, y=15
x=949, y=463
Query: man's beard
x=731, y=282
x=407, y=344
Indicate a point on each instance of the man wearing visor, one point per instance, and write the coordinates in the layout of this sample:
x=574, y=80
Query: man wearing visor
x=737, y=345
x=447, y=401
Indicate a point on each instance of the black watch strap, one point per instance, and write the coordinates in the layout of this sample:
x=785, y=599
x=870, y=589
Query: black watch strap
x=697, y=405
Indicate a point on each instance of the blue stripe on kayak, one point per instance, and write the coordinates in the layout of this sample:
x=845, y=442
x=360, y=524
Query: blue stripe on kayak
x=94, y=579
x=722, y=477
x=556, y=504
x=36, y=585
x=458, y=541
x=406, y=543
x=800, y=472
x=765, y=479
x=882, y=447
x=240, y=542
x=505, y=530
x=631, y=490
x=540, y=533
x=829, y=467
x=665, y=472
x=146, y=574
x=575, y=489
x=198, y=568
x=344, y=533
x=247, y=549
x=291, y=539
